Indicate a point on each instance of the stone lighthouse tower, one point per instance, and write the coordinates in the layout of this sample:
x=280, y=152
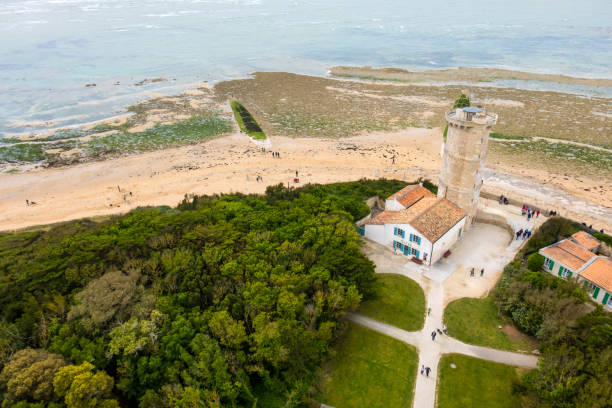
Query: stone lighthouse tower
x=464, y=155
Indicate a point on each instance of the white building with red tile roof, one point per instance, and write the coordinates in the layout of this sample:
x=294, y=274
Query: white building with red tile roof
x=573, y=258
x=417, y=224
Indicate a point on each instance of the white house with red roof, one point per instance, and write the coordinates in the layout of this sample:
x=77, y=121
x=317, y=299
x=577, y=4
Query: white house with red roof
x=574, y=257
x=417, y=224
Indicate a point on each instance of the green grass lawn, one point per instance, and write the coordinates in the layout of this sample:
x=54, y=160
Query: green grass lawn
x=397, y=300
x=476, y=321
x=369, y=370
x=475, y=383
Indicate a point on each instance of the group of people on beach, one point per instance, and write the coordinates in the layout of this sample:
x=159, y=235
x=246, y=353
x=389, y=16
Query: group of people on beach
x=503, y=200
x=473, y=271
x=276, y=155
x=125, y=198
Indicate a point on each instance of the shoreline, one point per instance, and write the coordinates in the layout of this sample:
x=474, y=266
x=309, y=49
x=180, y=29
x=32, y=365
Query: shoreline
x=458, y=76
x=472, y=75
x=232, y=163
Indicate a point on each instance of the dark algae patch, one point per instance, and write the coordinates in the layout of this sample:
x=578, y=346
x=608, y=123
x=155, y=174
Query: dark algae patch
x=247, y=122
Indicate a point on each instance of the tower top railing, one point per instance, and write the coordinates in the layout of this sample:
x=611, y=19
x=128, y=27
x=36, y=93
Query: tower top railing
x=470, y=117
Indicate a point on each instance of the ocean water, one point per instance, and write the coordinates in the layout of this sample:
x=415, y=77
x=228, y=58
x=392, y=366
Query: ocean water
x=50, y=49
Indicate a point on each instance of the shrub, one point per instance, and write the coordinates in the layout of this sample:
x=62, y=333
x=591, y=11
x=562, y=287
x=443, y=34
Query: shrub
x=535, y=262
x=462, y=102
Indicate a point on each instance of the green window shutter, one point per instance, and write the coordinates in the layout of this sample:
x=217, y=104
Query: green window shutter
x=417, y=254
x=394, y=231
x=605, y=299
x=419, y=240
x=551, y=265
x=411, y=237
x=560, y=270
x=596, y=292
x=569, y=274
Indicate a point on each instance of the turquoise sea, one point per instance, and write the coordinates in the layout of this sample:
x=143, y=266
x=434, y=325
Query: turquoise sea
x=50, y=49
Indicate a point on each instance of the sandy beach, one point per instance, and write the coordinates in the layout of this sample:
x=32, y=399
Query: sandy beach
x=232, y=164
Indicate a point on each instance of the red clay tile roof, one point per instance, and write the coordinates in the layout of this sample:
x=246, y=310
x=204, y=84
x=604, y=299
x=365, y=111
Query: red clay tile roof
x=586, y=240
x=438, y=219
x=600, y=273
x=569, y=253
x=575, y=249
x=409, y=195
x=431, y=216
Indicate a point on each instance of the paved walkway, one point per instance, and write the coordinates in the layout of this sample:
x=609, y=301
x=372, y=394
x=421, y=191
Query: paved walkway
x=443, y=282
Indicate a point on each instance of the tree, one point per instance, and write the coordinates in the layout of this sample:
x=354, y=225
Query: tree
x=462, y=102
x=81, y=388
x=535, y=262
x=104, y=298
x=29, y=374
x=229, y=332
x=131, y=337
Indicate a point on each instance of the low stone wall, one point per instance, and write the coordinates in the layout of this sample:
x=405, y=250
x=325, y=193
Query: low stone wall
x=512, y=201
x=495, y=219
x=376, y=206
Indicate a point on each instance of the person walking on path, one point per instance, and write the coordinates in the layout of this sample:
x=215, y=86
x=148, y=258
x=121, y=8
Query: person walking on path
x=472, y=273
x=427, y=370
x=481, y=272
x=433, y=335
x=444, y=328
x=538, y=214
x=27, y=202
x=428, y=311
x=296, y=173
x=519, y=233
x=422, y=368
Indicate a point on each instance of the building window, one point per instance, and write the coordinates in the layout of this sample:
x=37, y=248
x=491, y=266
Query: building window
x=415, y=238
x=563, y=271
x=399, y=232
x=424, y=256
x=459, y=234
x=549, y=263
x=609, y=300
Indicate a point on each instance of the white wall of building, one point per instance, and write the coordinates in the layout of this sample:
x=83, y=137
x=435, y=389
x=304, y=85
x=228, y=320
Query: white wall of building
x=557, y=265
x=376, y=233
x=393, y=205
x=446, y=241
x=384, y=235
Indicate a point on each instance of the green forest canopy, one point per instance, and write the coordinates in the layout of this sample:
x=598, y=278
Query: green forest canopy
x=575, y=368
x=209, y=303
